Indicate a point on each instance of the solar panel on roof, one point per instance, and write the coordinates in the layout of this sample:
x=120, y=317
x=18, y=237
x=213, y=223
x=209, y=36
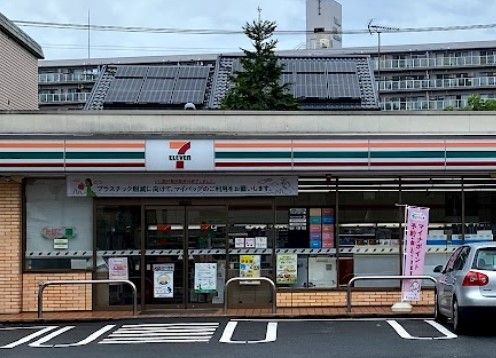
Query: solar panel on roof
x=124, y=90
x=163, y=71
x=193, y=72
x=131, y=71
x=341, y=66
x=343, y=85
x=156, y=90
x=189, y=90
x=311, y=85
x=310, y=65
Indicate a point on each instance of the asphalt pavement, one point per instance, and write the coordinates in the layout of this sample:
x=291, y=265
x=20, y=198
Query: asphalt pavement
x=249, y=338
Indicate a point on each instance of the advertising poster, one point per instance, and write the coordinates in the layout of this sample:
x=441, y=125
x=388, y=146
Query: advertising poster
x=163, y=281
x=287, y=269
x=261, y=242
x=205, y=277
x=249, y=265
x=417, y=226
x=118, y=268
x=239, y=242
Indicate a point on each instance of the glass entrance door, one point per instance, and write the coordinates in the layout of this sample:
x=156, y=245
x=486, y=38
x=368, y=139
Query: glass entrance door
x=164, y=259
x=207, y=240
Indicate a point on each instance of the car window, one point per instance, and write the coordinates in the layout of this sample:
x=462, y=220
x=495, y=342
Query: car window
x=459, y=262
x=485, y=259
x=452, y=259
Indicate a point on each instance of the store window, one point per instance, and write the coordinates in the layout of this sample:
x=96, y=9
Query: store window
x=305, y=241
x=59, y=229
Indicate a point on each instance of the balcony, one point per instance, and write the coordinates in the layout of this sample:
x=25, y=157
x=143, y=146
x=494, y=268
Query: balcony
x=62, y=98
x=436, y=62
x=435, y=84
x=46, y=78
x=423, y=105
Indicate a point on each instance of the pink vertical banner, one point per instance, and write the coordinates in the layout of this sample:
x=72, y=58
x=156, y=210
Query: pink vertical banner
x=417, y=227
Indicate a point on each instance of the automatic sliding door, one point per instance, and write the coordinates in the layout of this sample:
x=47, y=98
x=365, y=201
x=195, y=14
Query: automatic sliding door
x=164, y=257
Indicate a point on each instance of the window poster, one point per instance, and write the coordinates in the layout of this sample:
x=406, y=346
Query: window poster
x=250, y=242
x=239, y=242
x=287, y=269
x=118, y=268
x=163, y=281
x=261, y=242
x=205, y=277
x=249, y=265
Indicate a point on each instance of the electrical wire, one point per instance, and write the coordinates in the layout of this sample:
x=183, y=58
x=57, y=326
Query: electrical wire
x=164, y=30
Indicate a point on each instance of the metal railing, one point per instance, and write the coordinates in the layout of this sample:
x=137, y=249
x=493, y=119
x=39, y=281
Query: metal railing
x=433, y=84
x=433, y=62
x=242, y=279
x=66, y=77
x=43, y=285
x=423, y=105
x=375, y=278
x=79, y=97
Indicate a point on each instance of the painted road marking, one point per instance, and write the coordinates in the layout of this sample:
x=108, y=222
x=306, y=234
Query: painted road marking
x=162, y=333
x=92, y=337
x=42, y=331
x=405, y=335
x=270, y=335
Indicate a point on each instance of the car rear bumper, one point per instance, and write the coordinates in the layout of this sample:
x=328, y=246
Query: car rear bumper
x=479, y=314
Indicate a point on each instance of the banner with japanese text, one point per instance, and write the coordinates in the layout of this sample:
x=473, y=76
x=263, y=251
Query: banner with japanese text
x=180, y=185
x=417, y=227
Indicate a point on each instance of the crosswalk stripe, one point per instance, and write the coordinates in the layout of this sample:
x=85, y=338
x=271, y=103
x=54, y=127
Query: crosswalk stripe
x=157, y=341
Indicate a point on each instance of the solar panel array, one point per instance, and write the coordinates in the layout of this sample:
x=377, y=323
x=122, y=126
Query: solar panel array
x=163, y=85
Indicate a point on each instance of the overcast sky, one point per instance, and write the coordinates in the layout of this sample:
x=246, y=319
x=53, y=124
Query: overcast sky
x=231, y=15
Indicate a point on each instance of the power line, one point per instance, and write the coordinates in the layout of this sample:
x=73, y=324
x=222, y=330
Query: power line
x=164, y=30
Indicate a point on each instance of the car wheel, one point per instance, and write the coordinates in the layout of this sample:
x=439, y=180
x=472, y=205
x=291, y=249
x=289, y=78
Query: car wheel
x=459, y=320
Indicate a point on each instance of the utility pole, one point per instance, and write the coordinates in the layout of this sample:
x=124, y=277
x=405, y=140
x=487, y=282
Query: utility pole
x=378, y=29
x=89, y=34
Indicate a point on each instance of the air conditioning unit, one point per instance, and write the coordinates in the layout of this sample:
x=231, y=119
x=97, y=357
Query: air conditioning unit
x=324, y=43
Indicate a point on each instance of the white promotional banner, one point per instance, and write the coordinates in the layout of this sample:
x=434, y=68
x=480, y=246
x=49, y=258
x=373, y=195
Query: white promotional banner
x=163, y=281
x=417, y=227
x=205, y=277
x=118, y=268
x=180, y=186
x=179, y=155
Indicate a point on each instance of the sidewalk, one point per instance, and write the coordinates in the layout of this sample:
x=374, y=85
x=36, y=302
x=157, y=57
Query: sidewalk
x=316, y=312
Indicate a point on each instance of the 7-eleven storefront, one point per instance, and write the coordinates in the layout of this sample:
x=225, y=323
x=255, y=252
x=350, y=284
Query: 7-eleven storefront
x=179, y=217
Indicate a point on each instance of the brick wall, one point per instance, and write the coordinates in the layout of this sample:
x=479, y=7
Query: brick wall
x=18, y=76
x=10, y=247
x=338, y=298
x=57, y=298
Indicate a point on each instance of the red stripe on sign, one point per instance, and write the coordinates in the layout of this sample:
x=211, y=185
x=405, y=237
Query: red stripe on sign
x=32, y=165
x=409, y=164
x=470, y=164
x=251, y=165
x=106, y=165
x=327, y=164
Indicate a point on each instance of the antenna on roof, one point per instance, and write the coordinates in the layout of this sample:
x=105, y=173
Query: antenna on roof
x=89, y=34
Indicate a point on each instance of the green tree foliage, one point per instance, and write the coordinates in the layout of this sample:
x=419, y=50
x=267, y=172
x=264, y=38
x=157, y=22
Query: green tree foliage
x=258, y=87
x=475, y=103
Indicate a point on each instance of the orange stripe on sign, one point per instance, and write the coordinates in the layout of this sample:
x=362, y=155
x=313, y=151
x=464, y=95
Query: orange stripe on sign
x=140, y=145
x=331, y=145
x=406, y=145
x=253, y=145
x=470, y=144
x=176, y=144
x=32, y=145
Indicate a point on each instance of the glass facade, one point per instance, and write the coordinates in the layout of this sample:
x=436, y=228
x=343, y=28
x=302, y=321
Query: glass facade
x=180, y=253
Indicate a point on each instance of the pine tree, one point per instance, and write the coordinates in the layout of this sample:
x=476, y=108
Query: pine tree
x=258, y=85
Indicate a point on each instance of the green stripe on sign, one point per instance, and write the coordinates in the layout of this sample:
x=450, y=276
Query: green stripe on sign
x=105, y=155
x=32, y=155
x=414, y=154
x=252, y=155
x=469, y=154
x=335, y=155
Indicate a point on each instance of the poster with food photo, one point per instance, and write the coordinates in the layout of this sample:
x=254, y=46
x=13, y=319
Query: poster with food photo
x=249, y=265
x=287, y=269
x=163, y=281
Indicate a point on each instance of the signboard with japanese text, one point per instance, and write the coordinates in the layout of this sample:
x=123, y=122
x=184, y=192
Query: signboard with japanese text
x=118, y=268
x=287, y=269
x=179, y=155
x=417, y=227
x=163, y=281
x=205, y=277
x=180, y=186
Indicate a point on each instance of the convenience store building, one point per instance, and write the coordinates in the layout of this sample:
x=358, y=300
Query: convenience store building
x=179, y=202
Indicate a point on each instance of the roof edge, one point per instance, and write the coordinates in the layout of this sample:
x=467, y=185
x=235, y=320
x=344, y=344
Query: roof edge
x=21, y=37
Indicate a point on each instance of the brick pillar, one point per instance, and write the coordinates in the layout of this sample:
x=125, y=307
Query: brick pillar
x=10, y=246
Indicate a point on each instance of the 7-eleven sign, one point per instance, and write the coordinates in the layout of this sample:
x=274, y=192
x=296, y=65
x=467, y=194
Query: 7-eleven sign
x=179, y=155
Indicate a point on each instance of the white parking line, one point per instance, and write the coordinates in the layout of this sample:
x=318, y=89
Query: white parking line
x=405, y=335
x=42, y=331
x=270, y=335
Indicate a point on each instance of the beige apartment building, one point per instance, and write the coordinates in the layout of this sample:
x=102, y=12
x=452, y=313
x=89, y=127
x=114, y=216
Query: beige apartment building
x=19, y=55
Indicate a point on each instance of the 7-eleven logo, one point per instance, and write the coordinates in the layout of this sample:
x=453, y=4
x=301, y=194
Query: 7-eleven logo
x=180, y=157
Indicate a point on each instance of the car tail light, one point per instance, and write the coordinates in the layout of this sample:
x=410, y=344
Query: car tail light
x=474, y=278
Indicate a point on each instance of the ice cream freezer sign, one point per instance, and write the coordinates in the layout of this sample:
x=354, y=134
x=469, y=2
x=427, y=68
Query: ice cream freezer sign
x=180, y=185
